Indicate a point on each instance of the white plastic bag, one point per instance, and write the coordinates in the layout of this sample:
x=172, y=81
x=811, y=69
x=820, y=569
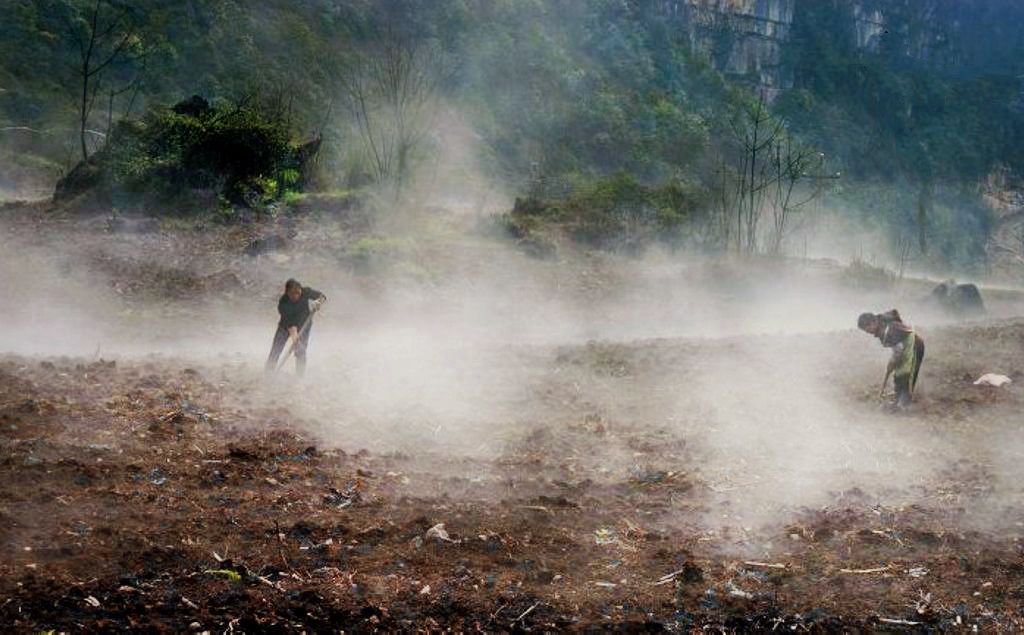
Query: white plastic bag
x=992, y=379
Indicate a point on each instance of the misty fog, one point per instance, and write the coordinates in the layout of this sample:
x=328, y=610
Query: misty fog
x=750, y=366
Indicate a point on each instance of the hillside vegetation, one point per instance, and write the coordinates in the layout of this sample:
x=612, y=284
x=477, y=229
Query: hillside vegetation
x=576, y=105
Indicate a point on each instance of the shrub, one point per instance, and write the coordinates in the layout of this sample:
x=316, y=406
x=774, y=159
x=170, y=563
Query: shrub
x=862, y=275
x=612, y=212
x=239, y=151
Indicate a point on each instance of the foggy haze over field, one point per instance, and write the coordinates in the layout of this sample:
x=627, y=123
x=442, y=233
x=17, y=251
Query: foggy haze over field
x=750, y=365
x=459, y=349
x=590, y=357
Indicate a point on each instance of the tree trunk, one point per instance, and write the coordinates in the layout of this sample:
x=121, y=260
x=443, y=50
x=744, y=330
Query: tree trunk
x=84, y=111
x=924, y=204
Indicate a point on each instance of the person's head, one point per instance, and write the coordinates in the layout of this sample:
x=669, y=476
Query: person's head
x=293, y=289
x=869, y=323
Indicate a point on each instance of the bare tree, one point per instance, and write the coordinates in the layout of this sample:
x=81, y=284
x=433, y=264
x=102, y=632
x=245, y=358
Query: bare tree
x=924, y=205
x=104, y=36
x=391, y=94
x=773, y=173
x=904, y=248
x=790, y=165
x=715, y=229
x=131, y=88
x=756, y=131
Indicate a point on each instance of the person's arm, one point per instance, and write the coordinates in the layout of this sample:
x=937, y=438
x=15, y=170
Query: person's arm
x=318, y=297
x=883, y=336
x=897, y=356
x=315, y=295
x=894, y=334
x=892, y=315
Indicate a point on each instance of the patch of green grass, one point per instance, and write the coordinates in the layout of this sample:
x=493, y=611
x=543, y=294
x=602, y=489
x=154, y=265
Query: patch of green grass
x=291, y=197
x=378, y=251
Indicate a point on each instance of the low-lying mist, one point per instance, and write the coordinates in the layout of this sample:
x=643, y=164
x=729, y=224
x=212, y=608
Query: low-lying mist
x=756, y=368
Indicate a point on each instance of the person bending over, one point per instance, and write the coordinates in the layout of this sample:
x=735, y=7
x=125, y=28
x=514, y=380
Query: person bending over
x=294, y=325
x=907, y=351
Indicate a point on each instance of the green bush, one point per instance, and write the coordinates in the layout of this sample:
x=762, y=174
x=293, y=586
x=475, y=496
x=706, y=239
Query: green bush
x=864, y=276
x=244, y=155
x=613, y=212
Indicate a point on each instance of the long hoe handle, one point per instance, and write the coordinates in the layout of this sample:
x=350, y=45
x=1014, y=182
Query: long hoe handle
x=287, y=353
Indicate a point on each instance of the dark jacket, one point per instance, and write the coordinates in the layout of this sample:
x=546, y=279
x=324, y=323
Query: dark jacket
x=893, y=333
x=296, y=313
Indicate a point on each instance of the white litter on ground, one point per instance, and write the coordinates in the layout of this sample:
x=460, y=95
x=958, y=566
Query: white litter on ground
x=992, y=379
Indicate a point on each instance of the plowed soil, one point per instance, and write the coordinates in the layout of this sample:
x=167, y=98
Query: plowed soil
x=642, y=485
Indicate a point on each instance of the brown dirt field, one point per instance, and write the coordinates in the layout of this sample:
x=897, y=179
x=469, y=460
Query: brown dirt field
x=135, y=497
x=183, y=493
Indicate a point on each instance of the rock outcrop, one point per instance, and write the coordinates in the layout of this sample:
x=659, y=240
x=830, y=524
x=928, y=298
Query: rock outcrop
x=750, y=39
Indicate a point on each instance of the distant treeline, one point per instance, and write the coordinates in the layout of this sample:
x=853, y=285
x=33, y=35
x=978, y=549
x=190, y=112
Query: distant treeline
x=557, y=92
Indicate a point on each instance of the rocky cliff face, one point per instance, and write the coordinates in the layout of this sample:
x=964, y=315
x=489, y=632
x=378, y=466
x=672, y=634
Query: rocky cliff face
x=1005, y=248
x=746, y=39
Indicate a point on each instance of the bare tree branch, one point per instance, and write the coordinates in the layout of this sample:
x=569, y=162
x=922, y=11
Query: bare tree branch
x=390, y=94
x=91, y=45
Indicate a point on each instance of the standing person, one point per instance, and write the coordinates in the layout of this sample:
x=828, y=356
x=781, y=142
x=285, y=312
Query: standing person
x=296, y=320
x=907, y=351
